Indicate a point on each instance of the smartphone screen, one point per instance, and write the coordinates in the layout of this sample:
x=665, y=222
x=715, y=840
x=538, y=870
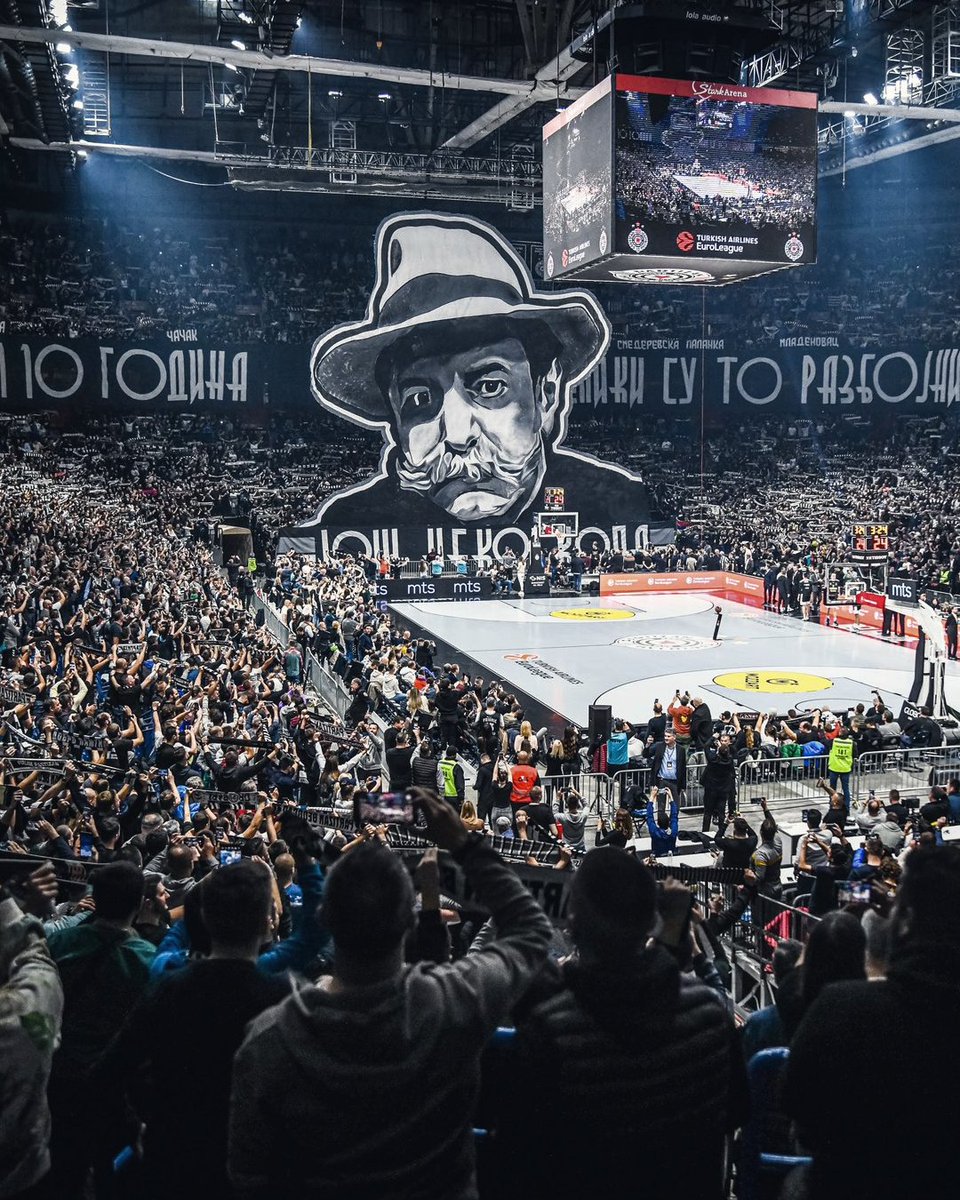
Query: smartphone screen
x=387, y=808
x=86, y=845
x=229, y=856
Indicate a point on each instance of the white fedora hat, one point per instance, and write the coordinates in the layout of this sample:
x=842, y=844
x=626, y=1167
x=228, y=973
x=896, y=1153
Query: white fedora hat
x=433, y=269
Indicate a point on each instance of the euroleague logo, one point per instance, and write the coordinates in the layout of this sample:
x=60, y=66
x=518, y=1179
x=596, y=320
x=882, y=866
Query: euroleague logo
x=793, y=248
x=565, y=257
x=685, y=240
x=637, y=239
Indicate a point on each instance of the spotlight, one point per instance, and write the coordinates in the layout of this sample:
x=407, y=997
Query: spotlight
x=870, y=98
x=78, y=104
x=81, y=154
x=849, y=114
x=238, y=45
x=334, y=94
x=63, y=47
x=72, y=75
x=245, y=18
x=232, y=67
x=383, y=97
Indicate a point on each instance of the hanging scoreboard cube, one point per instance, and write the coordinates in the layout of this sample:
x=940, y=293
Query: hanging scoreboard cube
x=649, y=180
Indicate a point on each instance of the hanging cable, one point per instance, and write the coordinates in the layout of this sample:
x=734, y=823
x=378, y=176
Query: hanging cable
x=177, y=179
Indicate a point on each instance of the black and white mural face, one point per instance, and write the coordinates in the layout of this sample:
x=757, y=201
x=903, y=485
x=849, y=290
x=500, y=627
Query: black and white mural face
x=466, y=369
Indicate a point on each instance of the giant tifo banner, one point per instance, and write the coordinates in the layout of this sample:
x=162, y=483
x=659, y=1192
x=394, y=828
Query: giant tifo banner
x=467, y=372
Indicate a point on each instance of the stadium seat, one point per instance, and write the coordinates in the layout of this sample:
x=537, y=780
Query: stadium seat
x=763, y=1166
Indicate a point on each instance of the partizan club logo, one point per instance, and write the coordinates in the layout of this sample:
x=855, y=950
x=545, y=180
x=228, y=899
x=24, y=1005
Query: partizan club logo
x=603, y=241
x=662, y=275
x=638, y=240
x=550, y=266
x=793, y=248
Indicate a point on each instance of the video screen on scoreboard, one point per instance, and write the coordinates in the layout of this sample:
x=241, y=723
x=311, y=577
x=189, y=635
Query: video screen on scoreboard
x=577, y=182
x=715, y=170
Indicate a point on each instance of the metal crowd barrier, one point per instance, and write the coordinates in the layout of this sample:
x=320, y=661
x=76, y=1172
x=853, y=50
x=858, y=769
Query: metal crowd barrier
x=783, y=780
x=907, y=770
x=327, y=685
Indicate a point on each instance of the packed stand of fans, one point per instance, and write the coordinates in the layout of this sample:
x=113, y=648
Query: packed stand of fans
x=100, y=277
x=187, y=962
x=780, y=189
x=106, y=277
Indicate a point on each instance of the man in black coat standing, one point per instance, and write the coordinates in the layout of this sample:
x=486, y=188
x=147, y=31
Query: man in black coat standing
x=950, y=627
x=719, y=783
x=701, y=724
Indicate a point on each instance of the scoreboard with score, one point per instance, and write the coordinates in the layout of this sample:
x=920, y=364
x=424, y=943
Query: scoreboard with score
x=869, y=540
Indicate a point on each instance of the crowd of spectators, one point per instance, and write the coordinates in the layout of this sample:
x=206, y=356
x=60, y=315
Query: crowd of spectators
x=658, y=184
x=124, y=278
x=163, y=887
x=104, y=277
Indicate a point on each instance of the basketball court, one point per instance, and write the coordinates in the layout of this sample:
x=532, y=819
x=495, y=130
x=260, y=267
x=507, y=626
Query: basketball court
x=626, y=651
x=708, y=186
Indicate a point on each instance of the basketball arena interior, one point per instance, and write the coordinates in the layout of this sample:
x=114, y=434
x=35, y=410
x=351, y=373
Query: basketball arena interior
x=479, y=594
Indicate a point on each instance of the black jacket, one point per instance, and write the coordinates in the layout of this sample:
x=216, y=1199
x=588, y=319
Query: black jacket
x=701, y=727
x=721, y=770
x=915, y=1062
x=644, y=1063
x=655, y=754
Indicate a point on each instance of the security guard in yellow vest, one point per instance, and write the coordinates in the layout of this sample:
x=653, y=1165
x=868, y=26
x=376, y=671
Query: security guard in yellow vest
x=451, y=778
x=840, y=762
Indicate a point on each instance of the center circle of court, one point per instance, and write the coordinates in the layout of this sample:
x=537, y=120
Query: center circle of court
x=779, y=682
x=592, y=614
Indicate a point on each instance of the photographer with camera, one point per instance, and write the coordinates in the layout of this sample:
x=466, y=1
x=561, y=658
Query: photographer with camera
x=719, y=779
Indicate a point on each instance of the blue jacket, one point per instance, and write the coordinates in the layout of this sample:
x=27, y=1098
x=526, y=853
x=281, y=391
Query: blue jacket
x=294, y=954
x=663, y=841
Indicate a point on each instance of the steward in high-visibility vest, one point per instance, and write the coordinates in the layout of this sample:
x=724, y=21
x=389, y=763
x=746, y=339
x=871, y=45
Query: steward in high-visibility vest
x=451, y=777
x=841, y=754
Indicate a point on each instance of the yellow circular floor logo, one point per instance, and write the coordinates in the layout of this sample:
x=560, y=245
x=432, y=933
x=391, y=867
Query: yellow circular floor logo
x=592, y=614
x=777, y=681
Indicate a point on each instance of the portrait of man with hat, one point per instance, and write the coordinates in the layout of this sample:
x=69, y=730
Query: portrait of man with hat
x=467, y=370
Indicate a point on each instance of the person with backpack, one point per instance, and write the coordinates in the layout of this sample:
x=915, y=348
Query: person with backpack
x=293, y=662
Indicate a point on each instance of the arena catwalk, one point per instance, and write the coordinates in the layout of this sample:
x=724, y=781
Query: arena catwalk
x=568, y=653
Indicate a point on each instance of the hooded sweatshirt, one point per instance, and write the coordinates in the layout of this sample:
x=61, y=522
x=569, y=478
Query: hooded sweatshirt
x=374, y=1086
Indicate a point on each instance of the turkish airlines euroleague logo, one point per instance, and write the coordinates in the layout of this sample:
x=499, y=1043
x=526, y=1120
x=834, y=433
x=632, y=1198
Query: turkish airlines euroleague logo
x=685, y=240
